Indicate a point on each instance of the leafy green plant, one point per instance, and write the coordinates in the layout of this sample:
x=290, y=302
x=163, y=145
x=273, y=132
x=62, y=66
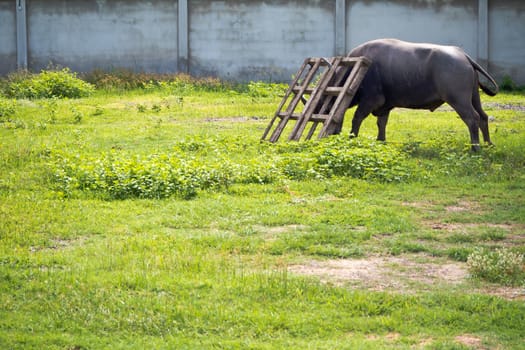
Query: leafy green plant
x=7, y=109
x=49, y=84
x=77, y=115
x=156, y=108
x=51, y=107
x=162, y=175
x=141, y=108
x=262, y=89
x=507, y=84
x=117, y=177
x=98, y=111
x=339, y=156
x=499, y=266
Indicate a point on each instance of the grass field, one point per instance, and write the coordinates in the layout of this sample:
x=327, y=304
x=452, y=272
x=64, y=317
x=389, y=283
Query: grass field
x=154, y=218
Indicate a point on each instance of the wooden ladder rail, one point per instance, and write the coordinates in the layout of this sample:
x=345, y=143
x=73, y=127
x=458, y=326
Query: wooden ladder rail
x=287, y=115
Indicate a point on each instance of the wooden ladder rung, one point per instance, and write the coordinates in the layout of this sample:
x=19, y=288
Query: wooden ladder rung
x=297, y=116
x=322, y=61
x=331, y=90
x=307, y=90
x=293, y=116
x=319, y=117
x=350, y=61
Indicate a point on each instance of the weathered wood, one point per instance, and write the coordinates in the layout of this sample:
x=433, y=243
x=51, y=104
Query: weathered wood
x=339, y=79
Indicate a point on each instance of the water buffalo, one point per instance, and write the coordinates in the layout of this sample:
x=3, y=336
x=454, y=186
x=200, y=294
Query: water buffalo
x=420, y=76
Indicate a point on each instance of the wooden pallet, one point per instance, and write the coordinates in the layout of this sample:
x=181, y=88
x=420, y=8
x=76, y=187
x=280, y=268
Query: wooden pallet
x=326, y=88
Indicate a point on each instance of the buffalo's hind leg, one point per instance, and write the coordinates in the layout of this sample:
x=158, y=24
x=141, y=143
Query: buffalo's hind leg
x=483, y=117
x=470, y=117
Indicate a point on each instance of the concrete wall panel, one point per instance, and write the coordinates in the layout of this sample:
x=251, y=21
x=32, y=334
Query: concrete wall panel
x=7, y=36
x=507, y=39
x=438, y=22
x=140, y=35
x=251, y=40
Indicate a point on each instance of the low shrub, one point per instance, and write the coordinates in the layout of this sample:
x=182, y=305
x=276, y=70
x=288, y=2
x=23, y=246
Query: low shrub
x=155, y=176
x=362, y=160
x=207, y=164
x=262, y=89
x=184, y=84
x=47, y=84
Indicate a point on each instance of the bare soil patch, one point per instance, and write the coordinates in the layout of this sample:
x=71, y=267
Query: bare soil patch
x=271, y=233
x=384, y=272
x=470, y=340
x=447, y=226
x=511, y=106
x=238, y=119
x=400, y=274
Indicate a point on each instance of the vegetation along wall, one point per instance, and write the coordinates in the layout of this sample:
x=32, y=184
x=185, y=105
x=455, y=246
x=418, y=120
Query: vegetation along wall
x=247, y=39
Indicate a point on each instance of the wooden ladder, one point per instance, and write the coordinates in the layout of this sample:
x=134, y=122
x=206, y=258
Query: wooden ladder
x=330, y=84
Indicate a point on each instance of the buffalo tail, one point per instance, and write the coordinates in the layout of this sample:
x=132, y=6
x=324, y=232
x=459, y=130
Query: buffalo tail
x=485, y=88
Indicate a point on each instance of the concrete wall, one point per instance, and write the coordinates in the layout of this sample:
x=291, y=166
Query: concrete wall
x=248, y=39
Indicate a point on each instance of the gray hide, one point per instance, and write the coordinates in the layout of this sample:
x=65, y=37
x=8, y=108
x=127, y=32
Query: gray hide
x=419, y=76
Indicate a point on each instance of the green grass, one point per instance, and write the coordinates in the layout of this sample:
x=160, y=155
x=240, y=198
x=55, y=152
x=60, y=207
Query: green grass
x=81, y=268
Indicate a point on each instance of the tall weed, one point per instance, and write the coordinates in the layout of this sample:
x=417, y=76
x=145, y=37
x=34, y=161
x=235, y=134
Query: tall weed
x=180, y=84
x=499, y=266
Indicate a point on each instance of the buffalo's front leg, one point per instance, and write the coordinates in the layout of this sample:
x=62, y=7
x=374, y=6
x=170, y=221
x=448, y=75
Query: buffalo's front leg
x=360, y=114
x=368, y=104
x=382, y=120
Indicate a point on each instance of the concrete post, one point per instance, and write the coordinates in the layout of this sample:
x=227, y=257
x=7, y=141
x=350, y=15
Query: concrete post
x=183, y=37
x=21, y=34
x=340, y=27
x=483, y=33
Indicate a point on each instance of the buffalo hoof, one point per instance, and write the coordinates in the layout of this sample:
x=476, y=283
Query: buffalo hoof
x=476, y=148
